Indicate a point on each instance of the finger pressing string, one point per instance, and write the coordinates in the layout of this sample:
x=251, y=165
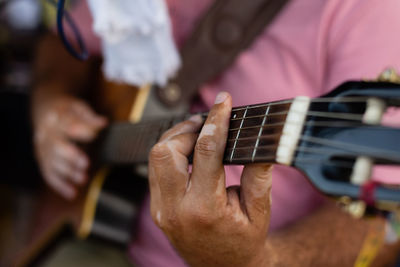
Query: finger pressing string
x=168, y=160
x=208, y=172
x=192, y=125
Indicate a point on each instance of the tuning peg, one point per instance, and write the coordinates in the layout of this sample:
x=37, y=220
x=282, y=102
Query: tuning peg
x=389, y=75
x=356, y=208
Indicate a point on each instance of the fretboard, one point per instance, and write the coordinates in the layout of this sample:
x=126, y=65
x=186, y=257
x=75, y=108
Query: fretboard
x=254, y=134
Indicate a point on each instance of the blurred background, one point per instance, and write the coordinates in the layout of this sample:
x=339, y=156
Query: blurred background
x=22, y=23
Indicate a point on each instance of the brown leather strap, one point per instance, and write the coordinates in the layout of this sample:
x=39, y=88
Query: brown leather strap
x=229, y=27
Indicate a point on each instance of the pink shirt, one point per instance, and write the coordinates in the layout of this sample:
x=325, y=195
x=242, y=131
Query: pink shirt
x=311, y=47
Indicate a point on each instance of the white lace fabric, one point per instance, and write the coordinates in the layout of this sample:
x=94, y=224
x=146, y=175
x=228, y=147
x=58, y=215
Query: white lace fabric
x=137, y=42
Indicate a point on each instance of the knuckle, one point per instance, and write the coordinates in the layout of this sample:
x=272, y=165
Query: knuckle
x=166, y=134
x=261, y=172
x=160, y=153
x=206, y=146
x=168, y=224
x=261, y=175
x=259, y=207
x=199, y=217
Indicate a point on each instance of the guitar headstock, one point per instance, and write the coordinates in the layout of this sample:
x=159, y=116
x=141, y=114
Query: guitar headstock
x=343, y=139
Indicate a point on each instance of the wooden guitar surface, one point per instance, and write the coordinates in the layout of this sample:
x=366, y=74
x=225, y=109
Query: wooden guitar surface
x=54, y=214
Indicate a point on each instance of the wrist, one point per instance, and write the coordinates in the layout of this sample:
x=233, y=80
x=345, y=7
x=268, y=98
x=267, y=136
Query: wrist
x=266, y=257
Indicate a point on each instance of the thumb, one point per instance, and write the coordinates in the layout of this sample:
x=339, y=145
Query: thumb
x=256, y=184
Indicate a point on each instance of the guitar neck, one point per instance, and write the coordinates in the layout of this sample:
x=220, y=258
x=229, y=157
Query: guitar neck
x=254, y=135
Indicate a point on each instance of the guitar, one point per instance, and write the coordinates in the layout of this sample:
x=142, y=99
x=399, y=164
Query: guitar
x=335, y=140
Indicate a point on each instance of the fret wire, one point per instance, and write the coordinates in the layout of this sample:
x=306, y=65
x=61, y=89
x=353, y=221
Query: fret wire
x=252, y=137
x=260, y=132
x=253, y=127
x=269, y=158
x=252, y=147
x=238, y=133
x=261, y=116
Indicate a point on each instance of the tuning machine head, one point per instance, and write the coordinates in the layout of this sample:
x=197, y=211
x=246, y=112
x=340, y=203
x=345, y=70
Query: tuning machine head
x=389, y=75
x=343, y=139
x=356, y=208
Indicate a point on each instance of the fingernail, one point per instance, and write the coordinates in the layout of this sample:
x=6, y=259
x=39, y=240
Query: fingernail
x=221, y=97
x=196, y=119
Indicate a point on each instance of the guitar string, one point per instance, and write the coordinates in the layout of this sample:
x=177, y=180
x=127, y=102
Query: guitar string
x=360, y=149
x=328, y=124
x=323, y=141
x=381, y=153
x=315, y=124
x=317, y=100
x=348, y=116
x=310, y=150
x=340, y=164
x=336, y=163
x=356, y=117
x=313, y=100
x=333, y=115
x=278, y=126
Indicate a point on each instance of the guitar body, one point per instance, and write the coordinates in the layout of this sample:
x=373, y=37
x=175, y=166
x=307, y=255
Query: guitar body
x=107, y=206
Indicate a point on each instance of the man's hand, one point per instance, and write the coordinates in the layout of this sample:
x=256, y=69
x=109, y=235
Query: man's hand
x=61, y=122
x=208, y=224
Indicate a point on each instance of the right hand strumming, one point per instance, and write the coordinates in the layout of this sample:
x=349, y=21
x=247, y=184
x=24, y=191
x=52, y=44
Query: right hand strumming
x=58, y=125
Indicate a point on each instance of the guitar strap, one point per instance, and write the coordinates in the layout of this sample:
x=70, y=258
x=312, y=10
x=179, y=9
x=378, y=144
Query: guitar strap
x=228, y=28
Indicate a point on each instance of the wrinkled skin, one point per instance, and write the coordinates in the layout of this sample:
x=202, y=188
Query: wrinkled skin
x=208, y=224
x=59, y=124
